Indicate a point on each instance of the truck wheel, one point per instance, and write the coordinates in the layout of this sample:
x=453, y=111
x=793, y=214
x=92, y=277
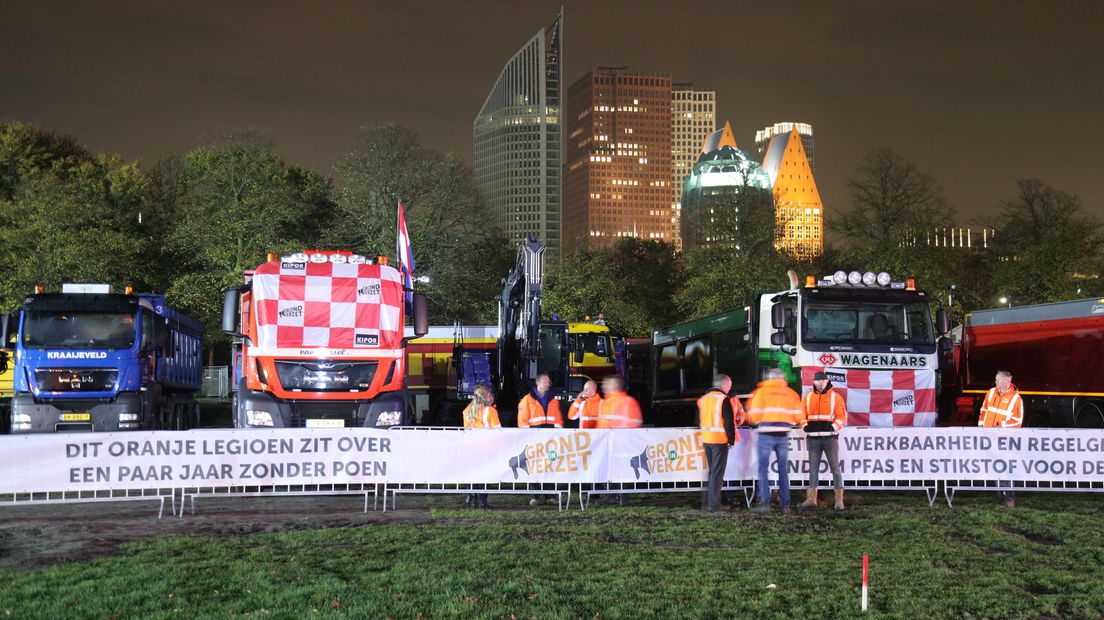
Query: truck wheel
x=1090, y=415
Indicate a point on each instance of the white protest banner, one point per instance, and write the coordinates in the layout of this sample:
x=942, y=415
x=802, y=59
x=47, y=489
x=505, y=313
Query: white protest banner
x=219, y=458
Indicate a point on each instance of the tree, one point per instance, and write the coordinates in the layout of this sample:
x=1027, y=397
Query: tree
x=78, y=221
x=632, y=283
x=231, y=203
x=26, y=150
x=460, y=259
x=1046, y=247
x=894, y=213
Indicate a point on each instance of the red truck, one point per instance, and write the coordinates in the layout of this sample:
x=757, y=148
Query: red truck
x=1055, y=353
x=321, y=335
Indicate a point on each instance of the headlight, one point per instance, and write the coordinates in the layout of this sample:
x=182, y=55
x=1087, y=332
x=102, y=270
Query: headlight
x=840, y=277
x=883, y=279
x=854, y=278
x=869, y=278
x=389, y=418
x=258, y=418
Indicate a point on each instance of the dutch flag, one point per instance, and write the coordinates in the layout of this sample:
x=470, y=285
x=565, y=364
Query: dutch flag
x=406, y=258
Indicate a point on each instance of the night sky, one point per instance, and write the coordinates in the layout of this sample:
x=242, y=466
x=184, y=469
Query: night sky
x=977, y=94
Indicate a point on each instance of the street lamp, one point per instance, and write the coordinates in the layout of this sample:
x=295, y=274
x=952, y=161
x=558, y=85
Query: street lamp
x=1005, y=300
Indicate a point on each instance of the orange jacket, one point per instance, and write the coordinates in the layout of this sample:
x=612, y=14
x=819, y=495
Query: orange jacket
x=1003, y=410
x=585, y=410
x=715, y=418
x=774, y=407
x=619, y=410
x=481, y=417
x=825, y=413
x=531, y=413
x=739, y=416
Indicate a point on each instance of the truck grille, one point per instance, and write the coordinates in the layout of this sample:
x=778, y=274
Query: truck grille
x=325, y=376
x=76, y=379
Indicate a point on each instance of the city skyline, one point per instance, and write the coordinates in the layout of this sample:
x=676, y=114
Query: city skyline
x=973, y=95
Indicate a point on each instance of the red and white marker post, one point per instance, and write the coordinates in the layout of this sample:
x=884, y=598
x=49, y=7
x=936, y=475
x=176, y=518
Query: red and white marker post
x=866, y=571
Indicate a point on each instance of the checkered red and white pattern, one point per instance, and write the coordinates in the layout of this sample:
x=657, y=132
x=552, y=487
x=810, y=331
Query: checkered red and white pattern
x=324, y=304
x=882, y=397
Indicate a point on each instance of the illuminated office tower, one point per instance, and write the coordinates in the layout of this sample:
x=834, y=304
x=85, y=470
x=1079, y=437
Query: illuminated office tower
x=517, y=142
x=617, y=158
x=805, y=130
x=693, y=117
x=799, y=212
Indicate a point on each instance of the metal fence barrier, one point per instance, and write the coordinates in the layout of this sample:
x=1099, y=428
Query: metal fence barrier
x=216, y=382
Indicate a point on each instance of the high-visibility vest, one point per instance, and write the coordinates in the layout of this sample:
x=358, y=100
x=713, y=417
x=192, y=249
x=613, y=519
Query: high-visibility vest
x=711, y=417
x=585, y=410
x=481, y=417
x=531, y=413
x=619, y=410
x=774, y=407
x=1002, y=410
x=825, y=413
x=738, y=413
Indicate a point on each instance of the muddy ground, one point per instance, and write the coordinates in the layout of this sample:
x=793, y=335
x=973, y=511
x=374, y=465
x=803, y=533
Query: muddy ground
x=37, y=536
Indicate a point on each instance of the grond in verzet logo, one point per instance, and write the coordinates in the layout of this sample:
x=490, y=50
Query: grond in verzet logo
x=827, y=359
x=292, y=312
x=369, y=290
x=905, y=401
x=674, y=455
x=570, y=453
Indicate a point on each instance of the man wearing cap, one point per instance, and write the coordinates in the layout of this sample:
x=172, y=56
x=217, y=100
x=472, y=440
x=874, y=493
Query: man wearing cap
x=825, y=416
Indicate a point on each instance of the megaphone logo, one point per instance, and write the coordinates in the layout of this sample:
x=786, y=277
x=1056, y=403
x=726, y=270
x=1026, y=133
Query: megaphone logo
x=521, y=461
x=640, y=462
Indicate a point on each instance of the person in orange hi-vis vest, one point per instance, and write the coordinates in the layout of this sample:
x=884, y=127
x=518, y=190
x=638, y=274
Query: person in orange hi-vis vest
x=718, y=432
x=480, y=413
x=618, y=409
x=773, y=410
x=585, y=407
x=1002, y=408
x=825, y=416
x=540, y=409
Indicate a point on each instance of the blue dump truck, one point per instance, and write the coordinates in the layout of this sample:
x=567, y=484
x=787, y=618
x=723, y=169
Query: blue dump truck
x=88, y=359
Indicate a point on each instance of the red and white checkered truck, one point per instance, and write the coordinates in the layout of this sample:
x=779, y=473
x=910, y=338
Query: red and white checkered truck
x=321, y=336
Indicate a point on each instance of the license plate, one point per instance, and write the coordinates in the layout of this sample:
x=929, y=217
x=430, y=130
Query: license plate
x=75, y=417
x=325, y=423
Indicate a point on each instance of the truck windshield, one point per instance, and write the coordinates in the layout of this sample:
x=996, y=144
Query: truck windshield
x=595, y=344
x=78, y=330
x=900, y=323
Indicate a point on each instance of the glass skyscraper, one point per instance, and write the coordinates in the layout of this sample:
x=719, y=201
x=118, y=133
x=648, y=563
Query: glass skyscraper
x=517, y=142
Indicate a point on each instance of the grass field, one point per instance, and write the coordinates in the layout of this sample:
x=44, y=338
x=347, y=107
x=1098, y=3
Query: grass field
x=1043, y=559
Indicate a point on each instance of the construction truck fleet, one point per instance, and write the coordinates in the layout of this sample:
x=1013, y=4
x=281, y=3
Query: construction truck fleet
x=873, y=336
x=89, y=359
x=321, y=342
x=1053, y=352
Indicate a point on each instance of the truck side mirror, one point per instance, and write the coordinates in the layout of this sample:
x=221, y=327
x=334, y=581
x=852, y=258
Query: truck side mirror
x=778, y=339
x=942, y=322
x=578, y=355
x=6, y=322
x=231, y=312
x=945, y=344
x=778, y=317
x=421, y=315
